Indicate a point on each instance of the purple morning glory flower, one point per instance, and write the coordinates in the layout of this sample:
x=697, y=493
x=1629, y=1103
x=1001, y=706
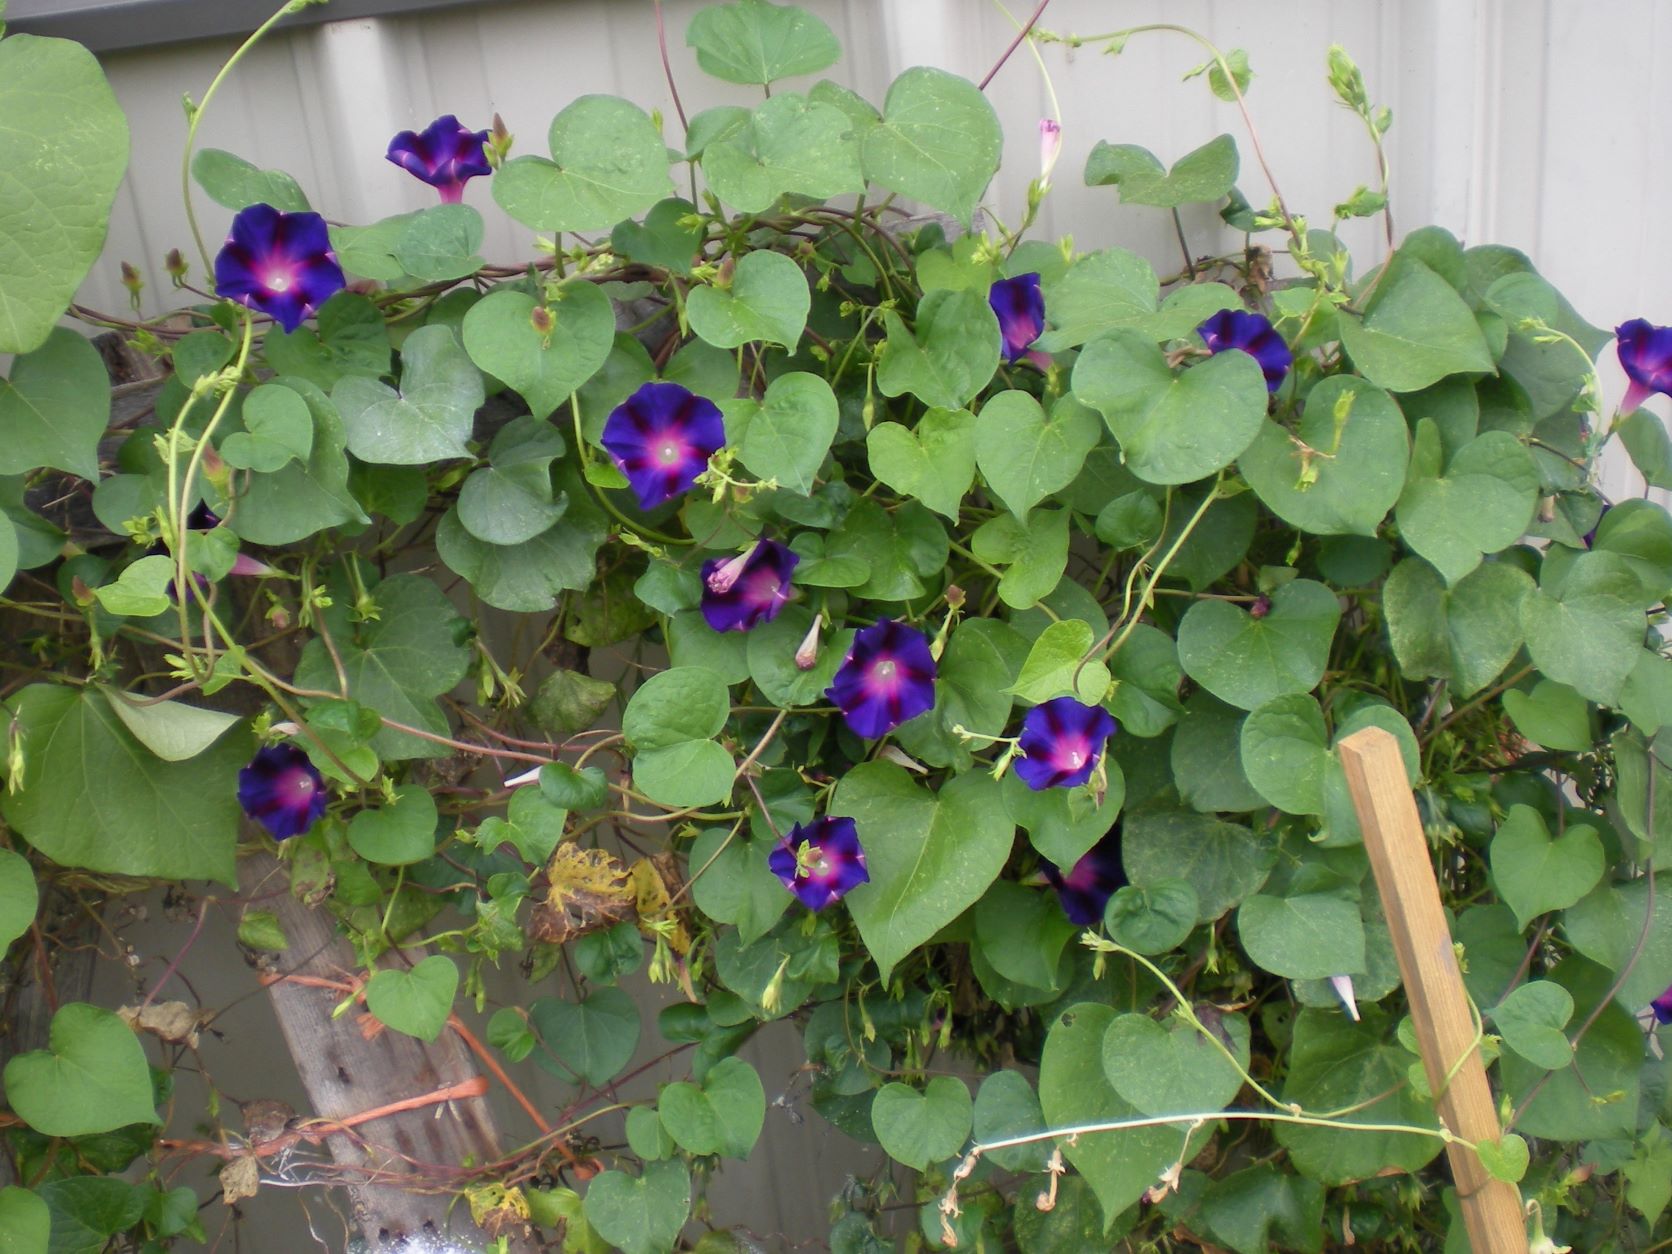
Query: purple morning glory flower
x=444, y=154
x=662, y=437
x=1646, y=353
x=1662, y=1006
x=887, y=678
x=1061, y=740
x=1020, y=307
x=1086, y=890
x=821, y=861
x=1237, y=328
x=279, y=263
x=282, y=790
x=748, y=590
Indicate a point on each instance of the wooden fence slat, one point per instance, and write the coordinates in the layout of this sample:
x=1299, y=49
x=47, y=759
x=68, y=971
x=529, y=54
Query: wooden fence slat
x=1445, y=1030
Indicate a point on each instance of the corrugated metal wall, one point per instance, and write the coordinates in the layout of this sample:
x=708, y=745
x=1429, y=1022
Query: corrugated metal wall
x=1534, y=123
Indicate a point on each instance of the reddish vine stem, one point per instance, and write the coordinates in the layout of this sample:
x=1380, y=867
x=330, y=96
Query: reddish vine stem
x=1015, y=43
x=667, y=67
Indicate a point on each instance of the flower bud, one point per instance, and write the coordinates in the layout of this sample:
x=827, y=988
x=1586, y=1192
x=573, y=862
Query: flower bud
x=1050, y=147
x=131, y=278
x=541, y=319
x=807, y=656
x=722, y=577
x=176, y=266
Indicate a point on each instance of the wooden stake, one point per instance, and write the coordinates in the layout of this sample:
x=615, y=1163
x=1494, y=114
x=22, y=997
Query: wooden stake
x=1445, y=1031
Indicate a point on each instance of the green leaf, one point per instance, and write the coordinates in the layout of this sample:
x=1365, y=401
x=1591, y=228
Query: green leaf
x=1222, y=862
x=261, y=929
x=899, y=548
x=1649, y=1173
x=1284, y=748
x=1023, y=456
x=938, y=142
x=65, y=149
x=933, y=461
x=1154, y=918
x=684, y=703
x=1482, y=502
x=767, y=302
x=1263, y=1208
x=1465, y=634
x=1535, y=873
x=511, y=501
x=1586, y=631
x=278, y=429
x=1173, y=1069
x=1206, y=757
x=722, y=1115
x=589, y=1040
x=1007, y=1106
x=1415, y=331
x=1109, y=290
x=298, y=500
x=1646, y=439
x=1531, y=1020
x=91, y=1077
x=641, y=1216
x=660, y=240
x=1336, y=1063
x=1074, y=1090
x=930, y=855
x=567, y=702
x=1063, y=823
x=1349, y=473
x=87, y=1211
x=230, y=181
x=398, y=834
x=971, y=691
x=952, y=355
x=175, y=820
x=690, y=773
x=25, y=1222
x=1640, y=533
x=429, y=419
x=56, y=403
x=1022, y=933
x=1052, y=668
x=753, y=41
x=571, y=789
x=1203, y=174
x=1309, y=936
x=439, y=244
x=1552, y=715
x=141, y=589
x=544, y=369
x=1247, y=661
x=785, y=435
x=771, y=652
x=172, y=730
x=1598, y=1095
x=608, y=163
x=528, y=577
x=1034, y=554
x=1172, y=428
x=416, y=1002
x=1504, y=1159
x=789, y=145
x=19, y=898
x=397, y=663
x=347, y=338
x=735, y=885
x=919, y=1129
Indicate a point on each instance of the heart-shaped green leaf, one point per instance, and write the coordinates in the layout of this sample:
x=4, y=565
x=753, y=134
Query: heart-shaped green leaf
x=722, y=1115
x=1074, y=1090
x=735, y=884
x=1506, y=1158
x=1053, y=669
x=416, y=1002
x=608, y=163
x=1174, y=1069
x=1308, y=936
x=1172, y=427
x=1154, y=918
x=757, y=42
x=1342, y=469
x=1022, y=932
x=25, y=1222
x=1415, y=331
x=278, y=428
x=1204, y=174
x=590, y=1040
x=933, y=461
x=1007, y=1106
x=1206, y=758
x=1466, y=633
x=173, y=730
x=1584, y=627
x=641, y=1216
x=66, y=146
x=1535, y=873
x=660, y=240
x=543, y=367
x=950, y=356
x=785, y=435
x=788, y=145
x=767, y=302
x=91, y=1077
x=918, y=1129
x=1023, y=456
x=1108, y=290
x=1222, y=862
x=1552, y=715
x=1531, y=1020
x=1246, y=661
x=234, y=183
x=19, y=897
x=1285, y=752
x=511, y=501
x=938, y=142
x=429, y=419
x=1033, y=555
x=1482, y=502
x=1063, y=823
x=930, y=855
x=398, y=834
x=55, y=406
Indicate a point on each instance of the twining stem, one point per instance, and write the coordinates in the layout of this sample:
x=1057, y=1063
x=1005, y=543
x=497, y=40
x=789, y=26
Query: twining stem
x=1145, y=598
x=197, y=111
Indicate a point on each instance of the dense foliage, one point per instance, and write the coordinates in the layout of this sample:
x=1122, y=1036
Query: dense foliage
x=931, y=635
